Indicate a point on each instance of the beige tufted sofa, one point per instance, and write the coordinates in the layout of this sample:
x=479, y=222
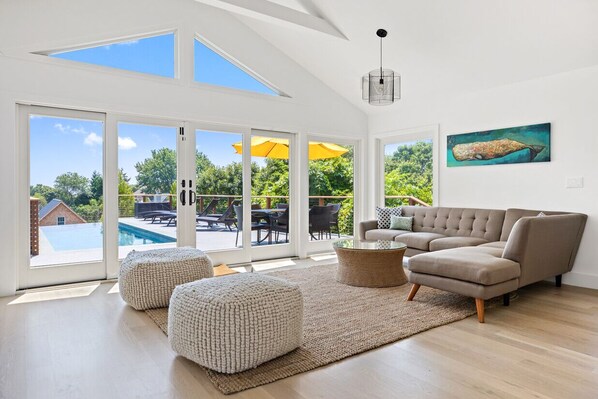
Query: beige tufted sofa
x=484, y=253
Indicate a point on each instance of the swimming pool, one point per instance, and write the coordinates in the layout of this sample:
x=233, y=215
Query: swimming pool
x=72, y=237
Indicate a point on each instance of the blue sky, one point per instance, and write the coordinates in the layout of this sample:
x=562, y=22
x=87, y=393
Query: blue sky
x=60, y=145
x=155, y=55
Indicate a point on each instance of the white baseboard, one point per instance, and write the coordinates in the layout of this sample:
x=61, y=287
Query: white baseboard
x=581, y=280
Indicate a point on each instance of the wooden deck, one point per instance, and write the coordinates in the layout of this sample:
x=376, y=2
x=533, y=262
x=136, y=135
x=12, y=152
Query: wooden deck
x=207, y=239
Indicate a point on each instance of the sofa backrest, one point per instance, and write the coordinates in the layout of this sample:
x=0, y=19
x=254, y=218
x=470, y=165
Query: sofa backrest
x=462, y=222
x=512, y=215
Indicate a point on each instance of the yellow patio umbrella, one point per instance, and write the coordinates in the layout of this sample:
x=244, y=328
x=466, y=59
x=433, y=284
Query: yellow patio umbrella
x=271, y=147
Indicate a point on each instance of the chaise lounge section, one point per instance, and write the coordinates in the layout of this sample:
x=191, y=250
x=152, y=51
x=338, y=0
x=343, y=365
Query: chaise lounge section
x=529, y=246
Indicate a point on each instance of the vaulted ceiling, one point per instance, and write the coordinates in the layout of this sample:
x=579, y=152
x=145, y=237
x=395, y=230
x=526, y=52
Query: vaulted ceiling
x=439, y=47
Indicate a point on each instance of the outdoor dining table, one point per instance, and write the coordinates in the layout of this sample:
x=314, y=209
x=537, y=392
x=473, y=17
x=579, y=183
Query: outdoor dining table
x=266, y=215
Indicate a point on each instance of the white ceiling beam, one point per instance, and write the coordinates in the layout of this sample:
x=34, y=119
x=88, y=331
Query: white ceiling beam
x=268, y=11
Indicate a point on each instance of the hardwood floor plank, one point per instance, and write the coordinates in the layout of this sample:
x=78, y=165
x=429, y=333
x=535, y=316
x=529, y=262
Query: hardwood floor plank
x=70, y=344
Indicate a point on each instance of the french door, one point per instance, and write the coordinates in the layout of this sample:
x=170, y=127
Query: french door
x=96, y=186
x=61, y=208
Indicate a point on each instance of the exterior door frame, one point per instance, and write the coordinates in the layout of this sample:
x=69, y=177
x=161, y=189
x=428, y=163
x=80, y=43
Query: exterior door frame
x=228, y=255
x=63, y=273
x=326, y=245
x=289, y=249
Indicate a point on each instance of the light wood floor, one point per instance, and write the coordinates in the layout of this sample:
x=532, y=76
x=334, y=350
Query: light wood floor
x=83, y=342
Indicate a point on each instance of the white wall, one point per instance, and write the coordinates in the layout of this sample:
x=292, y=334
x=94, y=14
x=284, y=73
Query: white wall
x=570, y=102
x=37, y=25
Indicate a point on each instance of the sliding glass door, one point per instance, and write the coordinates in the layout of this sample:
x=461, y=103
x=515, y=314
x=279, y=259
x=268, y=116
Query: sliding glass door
x=96, y=187
x=61, y=205
x=147, y=185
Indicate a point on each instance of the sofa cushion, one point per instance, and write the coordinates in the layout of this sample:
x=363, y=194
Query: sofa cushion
x=418, y=240
x=461, y=222
x=401, y=222
x=383, y=215
x=383, y=234
x=495, y=244
x=480, y=265
x=455, y=242
x=514, y=214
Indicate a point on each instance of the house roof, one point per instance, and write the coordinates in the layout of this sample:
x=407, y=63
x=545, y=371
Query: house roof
x=49, y=207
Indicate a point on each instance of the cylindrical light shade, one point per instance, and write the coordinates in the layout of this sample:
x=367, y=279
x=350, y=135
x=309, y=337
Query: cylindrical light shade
x=381, y=93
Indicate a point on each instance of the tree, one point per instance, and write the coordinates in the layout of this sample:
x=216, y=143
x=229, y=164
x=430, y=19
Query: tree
x=72, y=188
x=44, y=192
x=157, y=173
x=408, y=171
x=96, y=185
x=126, y=201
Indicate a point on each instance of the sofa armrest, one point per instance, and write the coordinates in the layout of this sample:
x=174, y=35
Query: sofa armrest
x=365, y=226
x=544, y=246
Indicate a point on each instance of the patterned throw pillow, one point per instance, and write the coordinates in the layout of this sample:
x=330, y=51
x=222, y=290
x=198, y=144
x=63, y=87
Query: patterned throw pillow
x=401, y=223
x=383, y=216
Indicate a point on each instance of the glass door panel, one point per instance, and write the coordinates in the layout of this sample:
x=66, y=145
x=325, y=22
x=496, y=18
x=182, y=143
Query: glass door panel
x=270, y=200
x=61, y=196
x=66, y=189
x=219, y=190
x=147, y=187
x=408, y=172
x=331, y=175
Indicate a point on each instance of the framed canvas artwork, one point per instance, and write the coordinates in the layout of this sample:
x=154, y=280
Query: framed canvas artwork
x=521, y=144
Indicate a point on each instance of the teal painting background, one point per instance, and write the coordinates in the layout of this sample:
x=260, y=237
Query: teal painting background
x=531, y=135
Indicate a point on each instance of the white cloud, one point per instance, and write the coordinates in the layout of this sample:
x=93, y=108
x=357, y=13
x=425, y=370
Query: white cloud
x=92, y=139
x=80, y=130
x=126, y=143
x=61, y=127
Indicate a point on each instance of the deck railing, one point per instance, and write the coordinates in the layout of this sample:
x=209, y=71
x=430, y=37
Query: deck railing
x=411, y=200
x=268, y=201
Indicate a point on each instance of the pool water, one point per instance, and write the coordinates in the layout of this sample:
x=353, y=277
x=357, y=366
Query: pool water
x=72, y=237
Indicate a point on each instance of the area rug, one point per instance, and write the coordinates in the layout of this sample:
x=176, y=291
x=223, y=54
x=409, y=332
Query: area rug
x=342, y=321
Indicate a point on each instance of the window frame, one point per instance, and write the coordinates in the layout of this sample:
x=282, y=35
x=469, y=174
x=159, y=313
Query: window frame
x=115, y=70
x=58, y=220
x=210, y=45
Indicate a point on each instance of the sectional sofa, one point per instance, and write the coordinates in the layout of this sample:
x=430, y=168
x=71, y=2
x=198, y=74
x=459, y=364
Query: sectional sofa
x=484, y=253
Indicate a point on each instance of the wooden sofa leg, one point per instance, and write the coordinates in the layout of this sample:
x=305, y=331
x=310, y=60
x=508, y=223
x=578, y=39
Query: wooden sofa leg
x=413, y=291
x=558, y=280
x=506, y=299
x=479, y=304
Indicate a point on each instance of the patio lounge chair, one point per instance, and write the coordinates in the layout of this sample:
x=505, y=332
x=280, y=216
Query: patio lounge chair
x=226, y=218
x=319, y=222
x=210, y=208
x=153, y=214
x=255, y=226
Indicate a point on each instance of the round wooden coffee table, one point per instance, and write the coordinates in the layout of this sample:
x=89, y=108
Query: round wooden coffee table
x=370, y=263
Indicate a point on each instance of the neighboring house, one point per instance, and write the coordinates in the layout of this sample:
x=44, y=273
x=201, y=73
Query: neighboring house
x=57, y=212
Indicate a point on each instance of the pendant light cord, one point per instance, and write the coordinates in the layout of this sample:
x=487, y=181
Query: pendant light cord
x=381, y=75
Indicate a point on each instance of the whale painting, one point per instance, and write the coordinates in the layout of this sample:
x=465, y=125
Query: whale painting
x=501, y=146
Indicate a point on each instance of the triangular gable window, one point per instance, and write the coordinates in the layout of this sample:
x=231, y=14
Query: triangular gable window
x=212, y=68
x=152, y=55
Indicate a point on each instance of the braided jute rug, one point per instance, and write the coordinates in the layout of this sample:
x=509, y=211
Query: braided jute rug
x=342, y=321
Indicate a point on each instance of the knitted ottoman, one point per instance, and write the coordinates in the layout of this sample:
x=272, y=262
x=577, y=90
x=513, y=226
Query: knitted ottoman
x=147, y=278
x=236, y=322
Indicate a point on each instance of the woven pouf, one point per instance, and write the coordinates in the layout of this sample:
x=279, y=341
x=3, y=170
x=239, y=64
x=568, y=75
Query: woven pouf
x=234, y=323
x=147, y=278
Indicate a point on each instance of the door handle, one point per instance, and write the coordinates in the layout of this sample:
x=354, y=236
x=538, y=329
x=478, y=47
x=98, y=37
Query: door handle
x=192, y=194
x=182, y=197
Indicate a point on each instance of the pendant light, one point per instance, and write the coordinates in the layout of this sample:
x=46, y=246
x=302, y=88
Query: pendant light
x=381, y=86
